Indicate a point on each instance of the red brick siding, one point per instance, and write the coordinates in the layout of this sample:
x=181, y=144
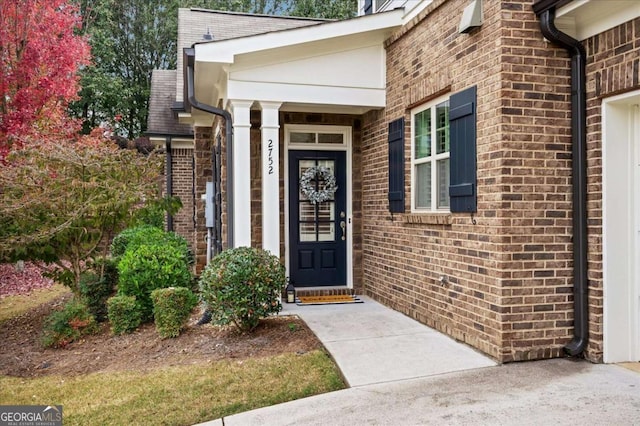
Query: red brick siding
x=182, y=168
x=203, y=173
x=509, y=275
x=535, y=181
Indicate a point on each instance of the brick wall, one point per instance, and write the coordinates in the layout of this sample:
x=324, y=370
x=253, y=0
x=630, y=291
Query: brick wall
x=509, y=290
x=613, y=67
x=256, y=179
x=182, y=168
x=535, y=181
x=203, y=173
x=220, y=124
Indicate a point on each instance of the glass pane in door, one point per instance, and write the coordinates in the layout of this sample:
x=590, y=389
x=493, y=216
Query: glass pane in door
x=316, y=220
x=326, y=224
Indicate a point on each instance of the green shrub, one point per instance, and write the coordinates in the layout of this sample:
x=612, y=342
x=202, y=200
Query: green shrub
x=171, y=309
x=132, y=238
x=149, y=267
x=242, y=285
x=69, y=324
x=179, y=242
x=97, y=285
x=124, y=314
x=95, y=294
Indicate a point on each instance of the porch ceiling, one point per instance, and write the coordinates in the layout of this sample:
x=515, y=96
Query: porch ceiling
x=335, y=66
x=585, y=18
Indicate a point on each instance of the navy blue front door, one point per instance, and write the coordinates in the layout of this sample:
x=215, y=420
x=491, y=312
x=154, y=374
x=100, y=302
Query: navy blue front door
x=318, y=231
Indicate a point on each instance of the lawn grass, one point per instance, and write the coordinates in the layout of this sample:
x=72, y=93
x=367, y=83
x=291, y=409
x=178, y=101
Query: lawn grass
x=12, y=306
x=178, y=395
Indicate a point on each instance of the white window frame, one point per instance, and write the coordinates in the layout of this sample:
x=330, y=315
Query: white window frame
x=433, y=159
x=318, y=129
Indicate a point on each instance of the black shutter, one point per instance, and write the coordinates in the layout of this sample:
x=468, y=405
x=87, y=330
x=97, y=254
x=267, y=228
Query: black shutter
x=368, y=7
x=462, y=121
x=396, y=166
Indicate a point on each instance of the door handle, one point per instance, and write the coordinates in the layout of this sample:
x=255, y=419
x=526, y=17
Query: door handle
x=343, y=225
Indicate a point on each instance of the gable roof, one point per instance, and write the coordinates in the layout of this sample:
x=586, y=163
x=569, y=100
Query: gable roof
x=194, y=23
x=335, y=64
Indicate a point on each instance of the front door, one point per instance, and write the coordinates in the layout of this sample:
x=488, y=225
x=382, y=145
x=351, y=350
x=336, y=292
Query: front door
x=317, y=218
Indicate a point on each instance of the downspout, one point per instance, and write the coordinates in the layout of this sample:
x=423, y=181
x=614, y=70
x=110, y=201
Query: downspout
x=229, y=136
x=579, y=177
x=169, y=177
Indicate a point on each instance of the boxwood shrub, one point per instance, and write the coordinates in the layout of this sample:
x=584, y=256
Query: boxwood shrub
x=124, y=314
x=132, y=238
x=241, y=286
x=148, y=267
x=171, y=309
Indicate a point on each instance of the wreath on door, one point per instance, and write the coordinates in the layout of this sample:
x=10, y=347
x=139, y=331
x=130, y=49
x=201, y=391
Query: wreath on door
x=326, y=184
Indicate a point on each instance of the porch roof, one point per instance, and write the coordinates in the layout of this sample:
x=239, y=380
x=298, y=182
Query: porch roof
x=335, y=66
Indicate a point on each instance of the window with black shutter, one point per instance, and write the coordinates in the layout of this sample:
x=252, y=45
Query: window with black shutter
x=463, y=191
x=430, y=156
x=396, y=166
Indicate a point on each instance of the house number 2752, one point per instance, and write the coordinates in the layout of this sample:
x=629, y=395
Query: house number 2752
x=270, y=156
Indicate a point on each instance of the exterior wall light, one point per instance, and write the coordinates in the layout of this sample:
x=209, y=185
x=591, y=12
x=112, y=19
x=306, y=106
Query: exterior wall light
x=291, y=293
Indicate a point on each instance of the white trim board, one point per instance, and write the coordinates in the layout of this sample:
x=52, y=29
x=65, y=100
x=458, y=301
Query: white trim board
x=621, y=227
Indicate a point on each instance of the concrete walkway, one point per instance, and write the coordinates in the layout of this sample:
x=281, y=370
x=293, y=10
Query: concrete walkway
x=375, y=344
x=401, y=372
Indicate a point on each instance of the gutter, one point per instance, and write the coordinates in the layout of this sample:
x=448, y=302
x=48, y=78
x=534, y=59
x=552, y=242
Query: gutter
x=169, y=178
x=191, y=97
x=545, y=9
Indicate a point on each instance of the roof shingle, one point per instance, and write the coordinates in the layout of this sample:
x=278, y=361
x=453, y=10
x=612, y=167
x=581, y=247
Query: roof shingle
x=161, y=118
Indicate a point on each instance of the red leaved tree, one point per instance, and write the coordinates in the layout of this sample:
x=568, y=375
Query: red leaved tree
x=40, y=55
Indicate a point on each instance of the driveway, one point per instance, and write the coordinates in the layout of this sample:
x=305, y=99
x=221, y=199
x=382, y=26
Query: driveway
x=401, y=372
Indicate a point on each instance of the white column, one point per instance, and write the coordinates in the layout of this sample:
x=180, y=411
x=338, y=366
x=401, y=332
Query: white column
x=270, y=177
x=241, y=172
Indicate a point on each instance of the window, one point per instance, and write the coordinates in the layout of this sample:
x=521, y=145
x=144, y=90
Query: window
x=304, y=136
x=379, y=4
x=430, y=151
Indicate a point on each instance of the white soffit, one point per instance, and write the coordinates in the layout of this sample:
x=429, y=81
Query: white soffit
x=582, y=19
